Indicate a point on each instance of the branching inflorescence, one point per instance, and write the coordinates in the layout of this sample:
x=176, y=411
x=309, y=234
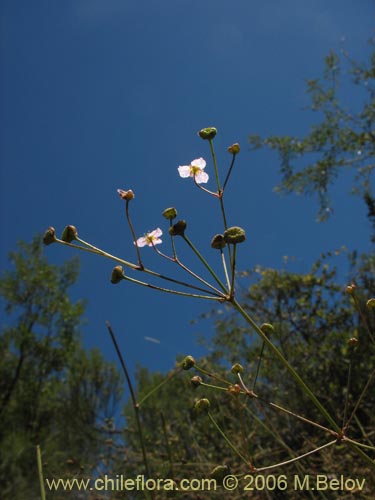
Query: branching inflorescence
x=221, y=289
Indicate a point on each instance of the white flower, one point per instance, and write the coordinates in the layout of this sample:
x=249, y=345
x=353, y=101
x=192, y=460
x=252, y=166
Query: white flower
x=195, y=169
x=150, y=239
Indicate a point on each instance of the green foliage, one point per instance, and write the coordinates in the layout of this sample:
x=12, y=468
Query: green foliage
x=343, y=140
x=53, y=392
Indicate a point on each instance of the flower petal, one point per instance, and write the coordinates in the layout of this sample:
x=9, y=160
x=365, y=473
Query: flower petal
x=184, y=171
x=141, y=242
x=199, y=162
x=155, y=233
x=201, y=177
x=155, y=241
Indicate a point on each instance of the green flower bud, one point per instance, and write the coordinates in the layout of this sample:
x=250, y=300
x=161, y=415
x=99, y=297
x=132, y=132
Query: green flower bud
x=69, y=234
x=178, y=229
x=188, y=362
x=219, y=472
x=267, y=328
x=234, y=149
x=202, y=405
x=49, y=236
x=218, y=242
x=117, y=274
x=196, y=381
x=237, y=368
x=170, y=213
x=234, y=235
x=370, y=304
x=207, y=133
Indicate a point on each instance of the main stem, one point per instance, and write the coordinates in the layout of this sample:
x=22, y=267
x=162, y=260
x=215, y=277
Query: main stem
x=287, y=365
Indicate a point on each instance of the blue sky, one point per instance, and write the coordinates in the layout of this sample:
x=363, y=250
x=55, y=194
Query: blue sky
x=104, y=94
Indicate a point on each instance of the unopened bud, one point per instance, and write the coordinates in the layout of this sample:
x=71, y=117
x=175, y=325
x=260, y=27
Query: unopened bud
x=237, y=368
x=234, y=389
x=267, y=328
x=234, y=235
x=188, y=362
x=353, y=341
x=49, y=236
x=170, y=213
x=219, y=472
x=207, y=133
x=196, y=381
x=126, y=195
x=370, y=304
x=218, y=242
x=69, y=234
x=202, y=405
x=178, y=229
x=117, y=274
x=350, y=289
x=234, y=149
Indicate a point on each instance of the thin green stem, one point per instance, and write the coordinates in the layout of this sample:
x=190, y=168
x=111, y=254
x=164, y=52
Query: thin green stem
x=189, y=271
x=40, y=473
x=229, y=172
x=287, y=365
x=368, y=383
x=219, y=190
x=233, y=271
x=211, y=386
x=175, y=292
x=252, y=394
x=348, y=387
x=97, y=251
x=215, y=165
x=225, y=268
x=212, y=375
x=362, y=445
x=205, y=263
x=167, y=445
x=157, y=386
x=230, y=444
x=133, y=234
x=300, y=457
x=363, y=317
x=205, y=189
x=107, y=255
x=258, y=364
x=133, y=398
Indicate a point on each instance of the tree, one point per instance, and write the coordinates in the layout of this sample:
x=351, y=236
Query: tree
x=343, y=141
x=53, y=393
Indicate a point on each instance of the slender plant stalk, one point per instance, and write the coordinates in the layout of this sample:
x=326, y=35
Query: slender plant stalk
x=135, y=405
x=258, y=365
x=229, y=172
x=363, y=317
x=287, y=365
x=167, y=445
x=175, y=292
x=177, y=261
x=135, y=267
x=40, y=473
x=157, y=386
x=205, y=263
x=280, y=464
x=225, y=268
x=230, y=444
